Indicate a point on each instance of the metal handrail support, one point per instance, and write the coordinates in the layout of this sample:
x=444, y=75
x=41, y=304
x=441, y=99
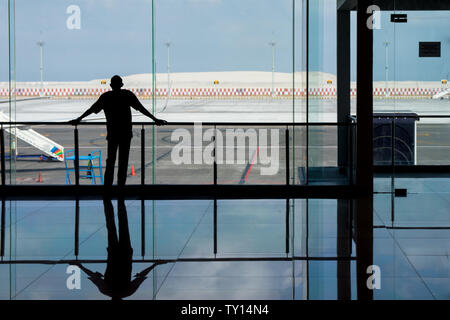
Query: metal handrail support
x=2, y=150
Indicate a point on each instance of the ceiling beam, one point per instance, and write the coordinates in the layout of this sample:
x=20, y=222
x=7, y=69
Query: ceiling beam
x=401, y=5
x=347, y=4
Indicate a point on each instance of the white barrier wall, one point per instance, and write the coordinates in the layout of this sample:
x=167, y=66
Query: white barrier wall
x=234, y=92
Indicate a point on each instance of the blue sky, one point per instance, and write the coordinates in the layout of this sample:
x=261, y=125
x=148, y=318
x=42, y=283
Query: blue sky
x=206, y=35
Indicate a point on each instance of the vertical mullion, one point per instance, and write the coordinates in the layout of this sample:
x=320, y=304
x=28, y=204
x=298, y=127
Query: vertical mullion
x=2, y=248
x=307, y=93
x=307, y=248
x=143, y=155
x=215, y=156
x=287, y=226
x=215, y=226
x=350, y=129
x=77, y=158
x=364, y=102
x=287, y=156
x=77, y=226
x=2, y=150
x=153, y=93
x=12, y=86
x=142, y=227
x=293, y=93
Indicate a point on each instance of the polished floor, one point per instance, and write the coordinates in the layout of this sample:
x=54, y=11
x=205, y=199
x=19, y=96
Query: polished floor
x=227, y=249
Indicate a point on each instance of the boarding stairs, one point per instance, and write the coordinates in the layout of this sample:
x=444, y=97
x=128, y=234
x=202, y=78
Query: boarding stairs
x=28, y=135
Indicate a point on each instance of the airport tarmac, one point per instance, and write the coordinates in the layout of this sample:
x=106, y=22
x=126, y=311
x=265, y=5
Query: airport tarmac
x=220, y=109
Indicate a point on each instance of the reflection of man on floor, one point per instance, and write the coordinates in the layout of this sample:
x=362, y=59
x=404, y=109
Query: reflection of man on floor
x=116, y=282
x=116, y=105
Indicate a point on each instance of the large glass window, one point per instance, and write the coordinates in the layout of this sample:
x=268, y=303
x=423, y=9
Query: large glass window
x=270, y=65
x=411, y=105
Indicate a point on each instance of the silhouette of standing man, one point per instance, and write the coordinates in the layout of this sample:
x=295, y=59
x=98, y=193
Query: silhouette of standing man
x=116, y=105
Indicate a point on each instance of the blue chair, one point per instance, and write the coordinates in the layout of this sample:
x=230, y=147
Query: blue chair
x=87, y=170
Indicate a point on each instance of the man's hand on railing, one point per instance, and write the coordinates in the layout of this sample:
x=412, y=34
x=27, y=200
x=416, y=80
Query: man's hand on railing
x=75, y=122
x=160, y=122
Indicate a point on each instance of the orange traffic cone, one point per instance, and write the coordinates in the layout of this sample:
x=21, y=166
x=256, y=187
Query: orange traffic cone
x=39, y=179
x=133, y=173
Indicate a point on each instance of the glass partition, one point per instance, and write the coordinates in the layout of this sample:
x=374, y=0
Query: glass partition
x=230, y=62
x=184, y=154
x=410, y=104
x=298, y=137
x=423, y=90
x=384, y=101
x=66, y=53
x=322, y=103
x=7, y=86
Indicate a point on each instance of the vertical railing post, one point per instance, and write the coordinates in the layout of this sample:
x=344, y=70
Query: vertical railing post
x=393, y=170
x=350, y=129
x=77, y=226
x=142, y=155
x=393, y=143
x=215, y=226
x=287, y=225
x=215, y=156
x=287, y=156
x=307, y=246
x=142, y=227
x=2, y=147
x=77, y=157
x=2, y=248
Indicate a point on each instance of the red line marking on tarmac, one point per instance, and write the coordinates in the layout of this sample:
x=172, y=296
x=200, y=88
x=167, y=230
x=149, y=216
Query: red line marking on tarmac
x=251, y=164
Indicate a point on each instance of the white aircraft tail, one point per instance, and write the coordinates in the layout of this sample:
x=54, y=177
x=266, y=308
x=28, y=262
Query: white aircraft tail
x=35, y=139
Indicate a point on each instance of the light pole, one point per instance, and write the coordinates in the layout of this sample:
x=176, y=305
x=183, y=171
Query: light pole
x=386, y=68
x=168, y=67
x=272, y=44
x=41, y=43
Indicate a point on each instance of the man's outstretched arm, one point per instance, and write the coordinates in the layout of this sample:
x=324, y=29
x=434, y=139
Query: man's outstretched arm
x=95, y=108
x=84, y=115
x=139, y=107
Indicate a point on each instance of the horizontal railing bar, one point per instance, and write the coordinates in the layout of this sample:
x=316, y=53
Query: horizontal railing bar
x=178, y=123
x=434, y=116
x=400, y=115
x=173, y=192
x=164, y=261
x=262, y=124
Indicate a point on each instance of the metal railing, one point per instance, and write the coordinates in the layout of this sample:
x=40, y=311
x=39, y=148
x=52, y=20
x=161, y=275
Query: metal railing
x=288, y=127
